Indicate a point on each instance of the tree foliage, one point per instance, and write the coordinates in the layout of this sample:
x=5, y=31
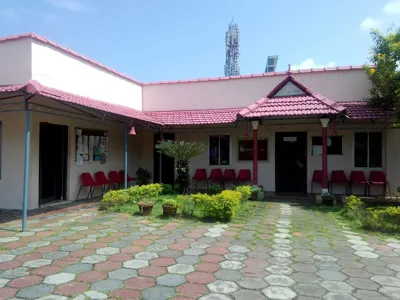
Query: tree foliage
x=182, y=152
x=384, y=70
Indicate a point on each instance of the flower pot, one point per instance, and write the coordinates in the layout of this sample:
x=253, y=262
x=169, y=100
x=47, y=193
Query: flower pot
x=145, y=209
x=169, y=210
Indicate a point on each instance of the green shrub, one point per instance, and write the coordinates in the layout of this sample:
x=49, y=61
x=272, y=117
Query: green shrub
x=222, y=206
x=168, y=189
x=255, y=188
x=137, y=192
x=215, y=189
x=186, y=204
x=113, y=199
x=245, y=191
x=169, y=203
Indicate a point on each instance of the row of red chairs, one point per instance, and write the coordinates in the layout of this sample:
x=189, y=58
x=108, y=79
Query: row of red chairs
x=217, y=176
x=115, y=179
x=356, y=177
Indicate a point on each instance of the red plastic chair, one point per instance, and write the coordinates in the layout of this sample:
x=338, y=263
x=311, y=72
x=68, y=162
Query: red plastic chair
x=215, y=176
x=122, y=176
x=87, y=181
x=358, y=177
x=339, y=177
x=199, y=176
x=378, y=178
x=316, y=178
x=244, y=175
x=229, y=176
x=101, y=178
x=113, y=176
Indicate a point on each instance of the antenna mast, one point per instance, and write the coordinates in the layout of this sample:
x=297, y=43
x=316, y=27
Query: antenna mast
x=232, y=50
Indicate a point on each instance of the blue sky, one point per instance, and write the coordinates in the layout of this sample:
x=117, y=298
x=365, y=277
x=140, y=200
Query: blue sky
x=155, y=40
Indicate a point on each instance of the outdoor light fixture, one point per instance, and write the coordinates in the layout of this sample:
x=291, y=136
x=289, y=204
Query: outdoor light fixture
x=132, y=131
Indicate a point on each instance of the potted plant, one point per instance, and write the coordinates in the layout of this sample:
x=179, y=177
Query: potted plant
x=145, y=206
x=169, y=207
x=254, y=189
x=143, y=176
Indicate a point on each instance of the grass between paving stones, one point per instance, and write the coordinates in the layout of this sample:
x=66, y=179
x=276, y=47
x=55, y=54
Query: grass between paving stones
x=339, y=212
x=245, y=211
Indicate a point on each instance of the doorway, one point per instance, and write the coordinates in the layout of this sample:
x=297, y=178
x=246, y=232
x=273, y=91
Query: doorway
x=53, y=155
x=167, y=163
x=291, y=162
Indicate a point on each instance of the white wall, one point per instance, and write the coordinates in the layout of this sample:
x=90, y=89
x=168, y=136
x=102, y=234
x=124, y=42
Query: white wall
x=55, y=68
x=351, y=85
x=12, y=156
x=15, y=62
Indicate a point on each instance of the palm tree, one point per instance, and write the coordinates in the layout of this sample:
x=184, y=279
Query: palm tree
x=181, y=151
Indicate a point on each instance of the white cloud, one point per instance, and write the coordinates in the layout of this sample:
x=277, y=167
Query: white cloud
x=309, y=63
x=369, y=23
x=392, y=7
x=73, y=5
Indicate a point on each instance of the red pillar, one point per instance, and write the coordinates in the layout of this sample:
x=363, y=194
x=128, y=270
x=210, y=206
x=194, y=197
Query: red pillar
x=255, y=152
x=324, y=123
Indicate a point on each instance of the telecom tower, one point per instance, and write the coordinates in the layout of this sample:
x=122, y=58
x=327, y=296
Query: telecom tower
x=232, y=50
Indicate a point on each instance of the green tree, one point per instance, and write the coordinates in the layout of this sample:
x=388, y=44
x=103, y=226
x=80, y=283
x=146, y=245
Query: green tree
x=384, y=70
x=181, y=151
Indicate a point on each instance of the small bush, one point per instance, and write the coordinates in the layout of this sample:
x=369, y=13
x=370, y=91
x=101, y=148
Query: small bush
x=169, y=203
x=137, y=192
x=186, y=204
x=215, y=189
x=168, y=189
x=245, y=191
x=114, y=199
x=255, y=188
x=222, y=206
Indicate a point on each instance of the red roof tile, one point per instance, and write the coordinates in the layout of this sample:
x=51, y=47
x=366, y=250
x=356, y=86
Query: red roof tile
x=362, y=110
x=196, y=117
x=65, y=49
x=309, y=104
x=35, y=88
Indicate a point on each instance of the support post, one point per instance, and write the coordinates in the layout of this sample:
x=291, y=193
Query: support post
x=126, y=157
x=324, y=123
x=160, y=160
x=255, y=152
x=26, y=164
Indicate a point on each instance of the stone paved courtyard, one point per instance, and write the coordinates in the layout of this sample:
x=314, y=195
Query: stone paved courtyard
x=283, y=252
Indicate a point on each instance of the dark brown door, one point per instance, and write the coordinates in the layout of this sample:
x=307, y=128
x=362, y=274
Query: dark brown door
x=291, y=162
x=53, y=150
x=165, y=166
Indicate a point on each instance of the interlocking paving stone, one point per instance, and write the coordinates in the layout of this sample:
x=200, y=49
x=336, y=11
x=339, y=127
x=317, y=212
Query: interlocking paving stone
x=158, y=293
x=55, y=255
x=279, y=293
x=188, y=260
x=107, y=285
x=122, y=274
x=252, y=283
x=338, y=296
x=223, y=287
x=309, y=289
x=59, y=278
x=230, y=275
x=94, y=259
x=180, y=269
x=213, y=296
x=78, y=268
x=386, y=280
x=35, y=291
x=171, y=280
x=246, y=295
x=281, y=280
x=232, y=265
x=37, y=263
x=95, y=295
x=107, y=251
x=337, y=286
x=279, y=270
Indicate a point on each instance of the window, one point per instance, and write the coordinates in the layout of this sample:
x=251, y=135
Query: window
x=334, y=145
x=246, y=150
x=368, y=149
x=219, y=150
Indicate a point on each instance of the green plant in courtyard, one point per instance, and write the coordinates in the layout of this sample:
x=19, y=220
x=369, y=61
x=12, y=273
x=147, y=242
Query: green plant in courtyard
x=143, y=176
x=222, y=206
x=255, y=188
x=384, y=71
x=137, y=193
x=169, y=202
x=168, y=189
x=214, y=189
x=181, y=151
x=113, y=199
x=245, y=191
x=186, y=204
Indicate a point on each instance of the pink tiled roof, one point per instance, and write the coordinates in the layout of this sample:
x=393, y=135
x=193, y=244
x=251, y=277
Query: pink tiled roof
x=196, y=117
x=35, y=88
x=362, y=110
x=310, y=104
x=65, y=49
